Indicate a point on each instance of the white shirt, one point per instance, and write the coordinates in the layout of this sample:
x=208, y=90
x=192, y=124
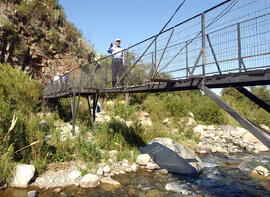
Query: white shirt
x=117, y=52
x=56, y=78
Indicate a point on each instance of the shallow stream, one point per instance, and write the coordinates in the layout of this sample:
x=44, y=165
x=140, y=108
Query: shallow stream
x=222, y=176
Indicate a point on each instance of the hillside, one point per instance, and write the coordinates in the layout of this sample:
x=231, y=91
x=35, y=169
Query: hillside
x=34, y=32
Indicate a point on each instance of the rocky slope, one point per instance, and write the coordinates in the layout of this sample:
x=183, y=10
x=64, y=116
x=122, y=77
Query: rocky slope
x=36, y=31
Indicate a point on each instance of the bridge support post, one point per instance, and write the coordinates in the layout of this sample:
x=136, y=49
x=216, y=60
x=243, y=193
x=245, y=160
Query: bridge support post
x=93, y=117
x=90, y=114
x=44, y=107
x=74, y=109
x=260, y=133
x=254, y=98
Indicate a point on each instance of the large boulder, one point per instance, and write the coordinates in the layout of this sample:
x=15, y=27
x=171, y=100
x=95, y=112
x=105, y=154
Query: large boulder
x=174, y=157
x=22, y=175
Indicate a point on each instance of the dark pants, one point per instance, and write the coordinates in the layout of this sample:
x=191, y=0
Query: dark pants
x=117, y=69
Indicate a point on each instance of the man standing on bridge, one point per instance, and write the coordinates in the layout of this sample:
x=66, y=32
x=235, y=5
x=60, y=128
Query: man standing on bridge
x=117, y=61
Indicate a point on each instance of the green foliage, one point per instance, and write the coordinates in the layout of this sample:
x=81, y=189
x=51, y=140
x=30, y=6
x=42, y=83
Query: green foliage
x=262, y=92
x=45, y=45
x=246, y=107
x=137, y=98
x=86, y=149
x=19, y=100
x=59, y=45
x=209, y=112
x=124, y=111
x=23, y=94
x=115, y=135
x=10, y=32
x=72, y=33
x=31, y=11
x=6, y=167
x=82, y=171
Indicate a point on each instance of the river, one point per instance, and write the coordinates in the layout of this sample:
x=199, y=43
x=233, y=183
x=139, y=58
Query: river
x=222, y=176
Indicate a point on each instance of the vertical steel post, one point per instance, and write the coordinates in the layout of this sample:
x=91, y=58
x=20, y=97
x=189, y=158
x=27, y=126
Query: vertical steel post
x=239, y=47
x=213, y=53
x=73, y=114
x=71, y=105
x=91, y=117
x=203, y=43
x=127, y=79
x=106, y=73
x=155, y=51
x=95, y=99
x=125, y=68
x=187, y=69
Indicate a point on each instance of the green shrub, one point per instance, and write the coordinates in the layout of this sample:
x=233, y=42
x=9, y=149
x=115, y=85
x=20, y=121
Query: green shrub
x=6, y=167
x=59, y=45
x=115, y=135
x=124, y=111
x=23, y=93
x=209, y=112
x=10, y=32
x=154, y=105
x=72, y=33
x=177, y=106
x=86, y=149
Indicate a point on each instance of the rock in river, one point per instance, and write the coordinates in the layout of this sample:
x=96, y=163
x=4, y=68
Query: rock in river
x=173, y=156
x=143, y=159
x=89, y=181
x=23, y=174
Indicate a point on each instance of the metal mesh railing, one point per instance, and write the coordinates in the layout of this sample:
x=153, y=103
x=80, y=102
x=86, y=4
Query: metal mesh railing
x=231, y=37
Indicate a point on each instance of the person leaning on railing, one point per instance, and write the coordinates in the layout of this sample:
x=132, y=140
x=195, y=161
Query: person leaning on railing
x=117, y=61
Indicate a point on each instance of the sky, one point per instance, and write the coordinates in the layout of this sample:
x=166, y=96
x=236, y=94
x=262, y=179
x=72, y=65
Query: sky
x=102, y=21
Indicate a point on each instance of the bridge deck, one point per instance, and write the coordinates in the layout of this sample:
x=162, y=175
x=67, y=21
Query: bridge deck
x=249, y=78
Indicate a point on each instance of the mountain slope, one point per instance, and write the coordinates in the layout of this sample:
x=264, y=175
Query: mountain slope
x=36, y=31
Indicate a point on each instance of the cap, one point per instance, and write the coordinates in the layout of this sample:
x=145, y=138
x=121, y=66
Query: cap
x=117, y=39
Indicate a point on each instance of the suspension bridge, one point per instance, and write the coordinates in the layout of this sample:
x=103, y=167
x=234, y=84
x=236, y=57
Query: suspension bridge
x=227, y=45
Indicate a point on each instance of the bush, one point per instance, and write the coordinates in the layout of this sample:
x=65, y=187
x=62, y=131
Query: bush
x=72, y=33
x=6, y=167
x=23, y=94
x=124, y=111
x=209, y=112
x=59, y=45
x=115, y=135
x=86, y=149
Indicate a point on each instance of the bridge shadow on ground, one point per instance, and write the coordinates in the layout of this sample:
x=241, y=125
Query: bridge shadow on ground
x=120, y=132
